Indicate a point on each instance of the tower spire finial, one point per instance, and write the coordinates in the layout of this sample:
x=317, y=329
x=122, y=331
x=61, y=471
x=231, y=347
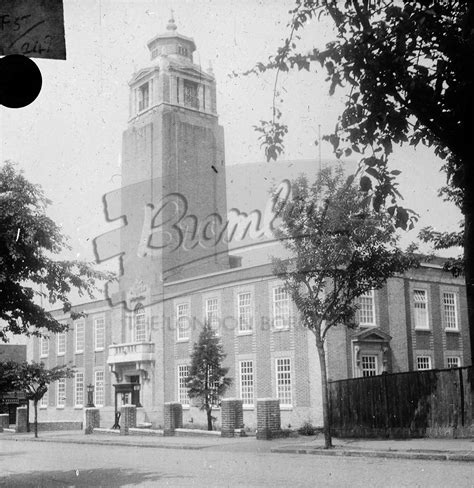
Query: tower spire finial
x=171, y=23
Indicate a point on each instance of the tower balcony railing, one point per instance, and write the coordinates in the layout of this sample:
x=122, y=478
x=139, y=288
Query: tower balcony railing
x=131, y=352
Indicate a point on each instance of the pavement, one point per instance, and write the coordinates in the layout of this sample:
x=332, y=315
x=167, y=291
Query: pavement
x=419, y=449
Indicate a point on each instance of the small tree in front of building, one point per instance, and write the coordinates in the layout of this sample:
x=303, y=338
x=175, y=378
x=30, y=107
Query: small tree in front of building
x=207, y=380
x=340, y=249
x=34, y=379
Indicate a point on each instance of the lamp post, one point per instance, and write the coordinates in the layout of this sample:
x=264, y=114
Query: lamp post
x=136, y=389
x=90, y=396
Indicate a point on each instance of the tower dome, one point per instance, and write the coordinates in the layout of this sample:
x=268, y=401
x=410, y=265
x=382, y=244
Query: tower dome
x=171, y=43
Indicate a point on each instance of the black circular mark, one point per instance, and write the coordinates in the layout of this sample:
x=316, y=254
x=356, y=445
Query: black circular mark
x=20, y=81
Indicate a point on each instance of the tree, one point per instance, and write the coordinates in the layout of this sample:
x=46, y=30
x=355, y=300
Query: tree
x=340, y=248
x=405, y=66
x=28, y=241
x=33, y=379
x=207, y=379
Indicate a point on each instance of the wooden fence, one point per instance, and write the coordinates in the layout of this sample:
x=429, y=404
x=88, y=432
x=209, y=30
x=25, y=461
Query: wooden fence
x=434, y=403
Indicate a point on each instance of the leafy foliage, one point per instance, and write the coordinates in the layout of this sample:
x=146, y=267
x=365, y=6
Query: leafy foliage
x=28, y=241
x=207, y=379
x=340, y=248
x=405, y=66
x=32, y=379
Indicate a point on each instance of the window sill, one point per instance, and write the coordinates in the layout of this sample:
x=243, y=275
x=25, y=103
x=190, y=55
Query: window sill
x=452, y=331
x=245, y=333
x=43, y=408
x=60, y=408
x=182, y=340
x=44, y=356
x=280, y=329
x=248, y=407
x=368, y=325
x=61, y=354
x=286, y=407
x=99, y=349
x=422, y=329
x=78, y=407
x=186, y=407
x=79, y=352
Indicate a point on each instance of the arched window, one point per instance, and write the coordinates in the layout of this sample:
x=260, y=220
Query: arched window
x=140, y=324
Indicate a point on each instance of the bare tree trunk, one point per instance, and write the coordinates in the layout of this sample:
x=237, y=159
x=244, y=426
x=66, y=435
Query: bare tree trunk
x=35, y=403
x=209, y=417
x=325, y=393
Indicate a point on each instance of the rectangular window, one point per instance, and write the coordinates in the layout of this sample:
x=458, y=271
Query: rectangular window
x=80, y=336
x=191, y=98
x=79, y=389
x=182, y=318
x=283, y=381
x=367, y=308
x=453, y=362
x=44, y=347
x=281, y=308
x=420, y=306
x=99, y=388
x=140, y=325
x=246, y=383
x=177, y=90
x=44, y=400
x=61, y=392
x=183, y=372
x=245, y=312
x=212, y=313
x=369, y=365
x=423, y=363
x=99, y=334
x=450, y=311
x=143, y=97
x=61, y=342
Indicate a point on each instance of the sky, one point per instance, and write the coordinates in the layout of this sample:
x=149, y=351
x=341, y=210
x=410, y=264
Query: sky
x=69, y=139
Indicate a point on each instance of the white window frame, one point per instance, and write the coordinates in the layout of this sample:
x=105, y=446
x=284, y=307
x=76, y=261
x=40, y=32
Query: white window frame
x=79, y=327
x=374, y=369
x=44, y=402
x=61, y=343
x=422, y=358
x=450, y=358
x=454, y=304
x=212, y=316
x=79, y=389
x=284, y=385
x=182, y=390
x=281, y=321
x=44, y=347
x=139, y=324
x=418, y=326
x=61, y=393
x=99, y=388
x=99, y=320
x=247, y=391
x=245, y=313
x=182, y=321
x=369, y=309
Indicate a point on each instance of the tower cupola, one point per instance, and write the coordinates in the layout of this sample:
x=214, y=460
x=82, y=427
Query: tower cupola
x=171, y=43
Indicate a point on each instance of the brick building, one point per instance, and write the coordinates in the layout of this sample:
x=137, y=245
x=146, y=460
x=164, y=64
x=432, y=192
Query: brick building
x=187, y=256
